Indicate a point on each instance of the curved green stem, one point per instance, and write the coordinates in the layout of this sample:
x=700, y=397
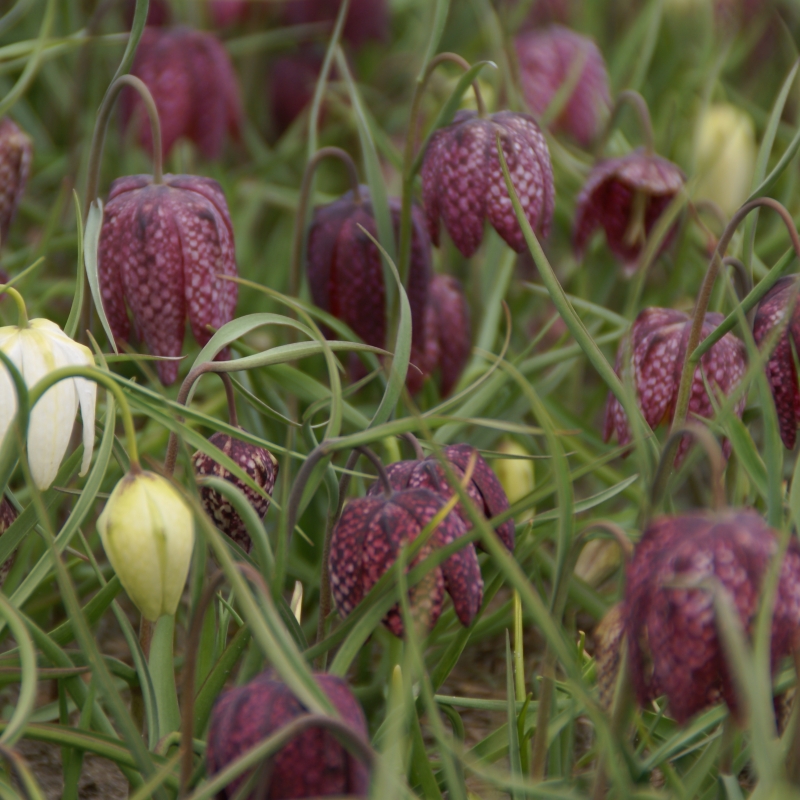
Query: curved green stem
x=639, y=104
x=22, y=311
x=380, y=469
x=107, y=382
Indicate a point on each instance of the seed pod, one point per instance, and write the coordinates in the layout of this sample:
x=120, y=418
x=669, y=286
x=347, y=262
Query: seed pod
x=258, y=463
x=314, y=764
x=367, y=539
x=16, y=152
x=8, y=515
x=462, y=180
x=147, y=532
x=658, y=339
x=673, y=642
x=195, y=88
x=162, y=249
x=548, y=59
x=626, y=196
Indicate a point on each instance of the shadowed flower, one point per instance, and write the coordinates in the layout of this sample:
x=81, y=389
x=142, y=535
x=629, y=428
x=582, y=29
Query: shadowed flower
x=673, y=643
x=626, y=196
x=194, y=87
x=257, y=462
x=313, y=764
x=225, y=13
x=462, y=180
x=658, y=339
x=291, y=83
x=366, y=19
x=554, y=57
x=781, y=372
x=367, y=539
x=163, y=248
x=450, y=324
x=16, y=152
x=484, y=488
x=8, y=515
x=345, y=273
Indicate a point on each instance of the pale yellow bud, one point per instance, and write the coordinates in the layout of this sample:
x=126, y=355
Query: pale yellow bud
x=726, y=156
x=515, y=474
x=147, y=531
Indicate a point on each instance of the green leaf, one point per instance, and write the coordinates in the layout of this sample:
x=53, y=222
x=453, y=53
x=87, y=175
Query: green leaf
x=91, y=241
x=71, y=326
x=511, y=716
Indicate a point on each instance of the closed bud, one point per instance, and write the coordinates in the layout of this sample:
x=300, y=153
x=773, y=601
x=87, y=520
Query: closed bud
x=163, y=248
x=726, y=156
x=258, y=463
x=16, y=152
x=147, y=532
x=516, y=473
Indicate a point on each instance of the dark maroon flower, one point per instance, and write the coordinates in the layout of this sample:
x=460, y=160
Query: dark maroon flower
x=549, y=58
x=258, y=463
x=8, y=515
x=366, y=19
x=291, y=82
x=194, y=86
x=484, y=488
x=163, y=248
x=345, y=273
x=314, y=764
x=781, y=371
x=626, y=196
x=453, y=329
x=658, y=339
x=462, y=180
x=368, y=538
x=225, y=13
x=16, y=151
x=673, y=642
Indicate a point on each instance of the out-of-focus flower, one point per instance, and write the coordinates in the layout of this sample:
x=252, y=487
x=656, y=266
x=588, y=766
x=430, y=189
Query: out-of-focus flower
x=726, y=156
x=225, y=13
x=554, y=57
x=516, y=473
x=37, y=350
x=366, y=19
x=781, y=372
x=626, y=196
x=162, y=249
x=345, y=273
x=291, y=83
x=462, y=180
x=16, y=152
x=658, y=339
x=147, y=532
x=314, y=764
x=484, y=488
x=451, y=319
x=158, y=13
x=673, y=641
x=8, y=514
x=194, y=86
x=607, y=656
x=367, y=539
x=258, y=463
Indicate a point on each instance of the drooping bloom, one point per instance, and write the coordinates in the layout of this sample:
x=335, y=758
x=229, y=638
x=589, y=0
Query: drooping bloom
x=345, y=273
x=16, y=152
x=366, y=542
x=658, y=339
x=257, y=462
x=674, y=645
x=37, y=350
x=781, y=372
x=194, y=87
x=462, y=180
x=726, y=156
x=314, y=764
x=551, y=57
x=484, y=488
x=366, y=19
x=147, y=532
x=626, y=196
x=449, y=324
x=163, y=249
x=291, y=82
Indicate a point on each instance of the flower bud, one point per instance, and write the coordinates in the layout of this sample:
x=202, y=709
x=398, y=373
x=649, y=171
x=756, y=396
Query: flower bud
x=516, y=474
x=147, y=532
x=314, y=764
x=258, y=463
x=726, y=156
x=16, y=152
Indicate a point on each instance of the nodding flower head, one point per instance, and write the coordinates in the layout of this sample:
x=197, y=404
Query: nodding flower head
x=625, y=197
x=657, y=345
x=16, y=152
x=163, y=249
x=462, y=180
x=673, y=641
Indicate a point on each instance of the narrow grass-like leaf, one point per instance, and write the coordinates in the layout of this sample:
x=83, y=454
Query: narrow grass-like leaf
x=91, y=242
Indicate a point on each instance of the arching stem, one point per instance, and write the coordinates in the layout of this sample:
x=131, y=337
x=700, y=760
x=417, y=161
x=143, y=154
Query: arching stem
x=19, y=300
x=379, y=468
x=744, y=283
x=230, y=397
x=189, y=381
x=302, y=206
x=631, y=98
x=419, y=453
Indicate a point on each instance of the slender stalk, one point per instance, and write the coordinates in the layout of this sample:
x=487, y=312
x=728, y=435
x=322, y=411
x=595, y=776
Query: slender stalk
x=230, y=397
x=302, y=206
x=171, y=457
x=744, y=283
x=419, y=453
x=22, y=311
x=631, y=98
x=793, y=760
x=378, y=464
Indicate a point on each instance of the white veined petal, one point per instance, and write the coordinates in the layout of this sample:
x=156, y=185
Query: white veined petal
x=8, y=392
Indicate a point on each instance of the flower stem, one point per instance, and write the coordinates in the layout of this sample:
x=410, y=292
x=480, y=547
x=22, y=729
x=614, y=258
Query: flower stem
x=378, y=464
x=230, y=397
x=634, y=99
x=419, y=454
x=22, y=311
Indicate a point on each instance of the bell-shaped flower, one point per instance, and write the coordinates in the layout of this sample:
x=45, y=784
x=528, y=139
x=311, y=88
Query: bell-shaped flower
x=36, y=349
x=147, y=532
x=16, y=152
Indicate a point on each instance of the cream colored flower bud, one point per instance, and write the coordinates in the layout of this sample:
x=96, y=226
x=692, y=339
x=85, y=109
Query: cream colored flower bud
x=726, y=156
x=147, y=531
x=515, y=474
x=37, y=349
